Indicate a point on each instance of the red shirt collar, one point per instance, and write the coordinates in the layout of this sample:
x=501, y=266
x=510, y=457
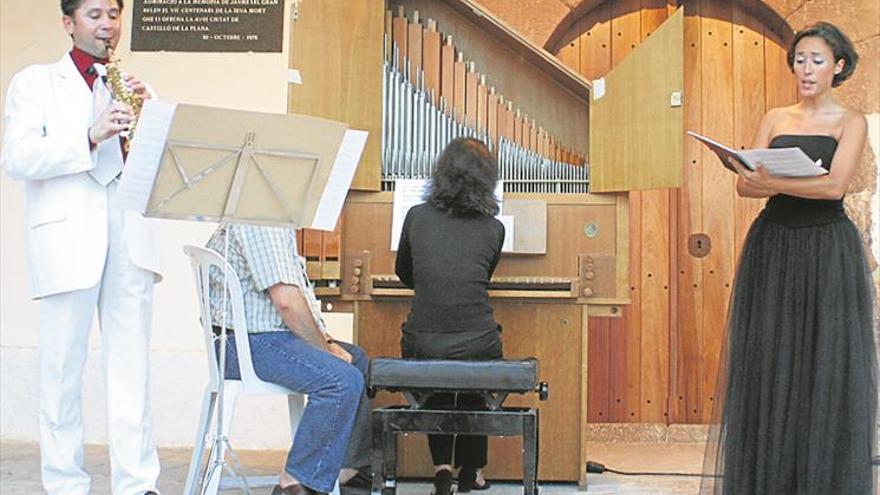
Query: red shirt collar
x=84, y=62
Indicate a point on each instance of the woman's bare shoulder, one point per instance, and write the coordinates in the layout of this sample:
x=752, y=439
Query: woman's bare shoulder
x=853, y=122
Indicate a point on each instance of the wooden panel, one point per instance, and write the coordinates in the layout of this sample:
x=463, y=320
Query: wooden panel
x=654, y=267
x=748, y=81
x=595, y=42
x=517, y=128
x=526, y=132
x=625, y=343
x=595, y=60
x=414, y=47
x=312, y=252
x=492, y=114
x=599, y=383
x=505, y=118
x=570, y=55
x=431, y=59
x=686, y=388
x=470, y=96
x=400, y=36
x=482, y=104
x=654, y=12
x=718, y=186
x=447, y=73
x=331, y=253
x=780, y=83
x=635, y=136
x=459, y=83
x=343, y=80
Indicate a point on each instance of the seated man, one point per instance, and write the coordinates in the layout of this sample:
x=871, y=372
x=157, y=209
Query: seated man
x=289, y=347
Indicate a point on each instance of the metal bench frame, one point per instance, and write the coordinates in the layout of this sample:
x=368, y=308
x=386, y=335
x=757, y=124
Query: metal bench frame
x=391, y=421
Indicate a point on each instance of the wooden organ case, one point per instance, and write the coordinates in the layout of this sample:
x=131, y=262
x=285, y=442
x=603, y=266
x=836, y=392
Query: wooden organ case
x=417, y=73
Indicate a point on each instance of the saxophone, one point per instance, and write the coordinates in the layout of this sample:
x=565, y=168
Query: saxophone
x=121, y=92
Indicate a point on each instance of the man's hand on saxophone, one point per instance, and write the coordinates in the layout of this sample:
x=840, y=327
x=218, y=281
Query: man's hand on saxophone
x=137, y=87
x=117, y=117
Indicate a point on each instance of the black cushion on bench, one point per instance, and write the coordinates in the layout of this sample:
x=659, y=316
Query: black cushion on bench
x=503, y=375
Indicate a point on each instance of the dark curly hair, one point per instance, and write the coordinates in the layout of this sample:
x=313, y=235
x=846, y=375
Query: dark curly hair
x=840, y=44
x=463, y=183
x=68, y=7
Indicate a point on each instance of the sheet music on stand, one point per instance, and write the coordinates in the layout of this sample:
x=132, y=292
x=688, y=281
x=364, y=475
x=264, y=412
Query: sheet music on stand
x=781, y=162
x=212, y=164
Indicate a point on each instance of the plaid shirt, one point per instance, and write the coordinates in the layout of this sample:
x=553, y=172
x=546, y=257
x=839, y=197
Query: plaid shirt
x=262, y=257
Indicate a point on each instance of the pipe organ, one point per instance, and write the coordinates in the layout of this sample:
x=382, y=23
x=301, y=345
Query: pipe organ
x=432, y=94
x=416, y=74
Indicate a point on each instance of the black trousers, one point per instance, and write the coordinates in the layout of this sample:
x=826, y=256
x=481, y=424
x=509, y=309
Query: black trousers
x=460, y=450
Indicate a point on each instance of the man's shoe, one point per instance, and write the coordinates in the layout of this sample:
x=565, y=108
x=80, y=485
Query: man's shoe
x=297, y=489
x=443, y=482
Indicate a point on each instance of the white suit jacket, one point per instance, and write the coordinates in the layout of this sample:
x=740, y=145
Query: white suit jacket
x=48, y=113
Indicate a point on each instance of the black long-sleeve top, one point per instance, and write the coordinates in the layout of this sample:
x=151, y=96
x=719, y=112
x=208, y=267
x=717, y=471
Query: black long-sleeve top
x=448, y=261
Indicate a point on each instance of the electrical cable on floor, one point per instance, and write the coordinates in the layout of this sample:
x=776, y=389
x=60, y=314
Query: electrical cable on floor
x=599, y=468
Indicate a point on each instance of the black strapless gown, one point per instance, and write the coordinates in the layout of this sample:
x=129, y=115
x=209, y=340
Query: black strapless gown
x=796, y=406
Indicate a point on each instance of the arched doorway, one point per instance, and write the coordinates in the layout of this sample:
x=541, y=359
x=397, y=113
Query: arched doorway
x=657, y=364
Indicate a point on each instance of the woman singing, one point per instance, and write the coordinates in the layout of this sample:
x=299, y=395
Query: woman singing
x=798, y=414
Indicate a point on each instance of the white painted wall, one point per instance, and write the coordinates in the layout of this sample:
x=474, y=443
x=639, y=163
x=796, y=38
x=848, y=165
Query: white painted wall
x=31, y=32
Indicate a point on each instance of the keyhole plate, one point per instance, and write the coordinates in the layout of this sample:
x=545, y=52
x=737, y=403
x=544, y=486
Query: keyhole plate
x=699, y=245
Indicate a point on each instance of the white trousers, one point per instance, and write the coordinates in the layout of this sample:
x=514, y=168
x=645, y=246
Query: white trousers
x=123, y=298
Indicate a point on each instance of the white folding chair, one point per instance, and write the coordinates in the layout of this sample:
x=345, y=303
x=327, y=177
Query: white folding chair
x=202, y=260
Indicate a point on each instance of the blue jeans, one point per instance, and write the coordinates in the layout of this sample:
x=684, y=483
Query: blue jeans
x=328, y=437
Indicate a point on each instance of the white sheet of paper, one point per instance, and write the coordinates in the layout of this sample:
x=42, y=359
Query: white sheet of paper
x=785, y=162
x=344, y=167
x=410, y=192
x=145, y=156
x=407, y=193
x=508, y=222
x=499, y=196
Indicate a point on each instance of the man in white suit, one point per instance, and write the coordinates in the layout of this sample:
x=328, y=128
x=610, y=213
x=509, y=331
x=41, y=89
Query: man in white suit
x=62, y=140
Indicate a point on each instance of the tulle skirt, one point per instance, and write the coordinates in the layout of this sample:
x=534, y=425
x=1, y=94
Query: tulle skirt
x=796, y=408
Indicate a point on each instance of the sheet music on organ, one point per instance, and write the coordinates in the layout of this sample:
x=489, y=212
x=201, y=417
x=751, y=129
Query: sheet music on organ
x=410, y=192
x=781, y=162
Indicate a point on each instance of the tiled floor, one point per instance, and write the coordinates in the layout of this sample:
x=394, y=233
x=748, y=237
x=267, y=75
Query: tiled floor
x=19, y=470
